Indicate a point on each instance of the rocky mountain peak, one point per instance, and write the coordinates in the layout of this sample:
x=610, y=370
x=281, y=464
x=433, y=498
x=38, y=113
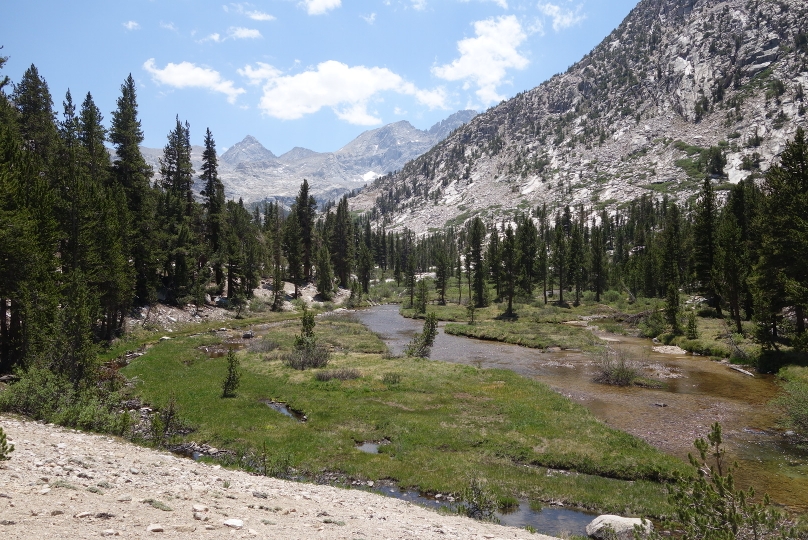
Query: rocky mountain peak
x=247, y=151
x=676, y=81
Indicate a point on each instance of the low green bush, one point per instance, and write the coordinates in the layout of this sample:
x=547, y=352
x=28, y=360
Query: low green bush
x=5, y=448
x=344, y=374
x=616, y=368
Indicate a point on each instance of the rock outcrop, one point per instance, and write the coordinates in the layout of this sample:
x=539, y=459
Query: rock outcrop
x=634, y=116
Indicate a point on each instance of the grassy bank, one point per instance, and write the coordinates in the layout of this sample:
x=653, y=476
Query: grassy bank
x=444, y=422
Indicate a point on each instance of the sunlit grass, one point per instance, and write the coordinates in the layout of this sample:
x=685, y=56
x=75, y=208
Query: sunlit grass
x=444, y=421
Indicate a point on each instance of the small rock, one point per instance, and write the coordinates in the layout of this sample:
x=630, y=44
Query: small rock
x=200, y=508
x=199, y=516
x=134, y=470
x=164, y=338
x=234, y=523
x=155, y=527
x=661, y=404
x=56, y=512
x=83, y=515
x=209, y=527
x=370, y=483
x=44, y=491
x=110, y=532
x=252, y=532
x=124, y=498
x=259, y=494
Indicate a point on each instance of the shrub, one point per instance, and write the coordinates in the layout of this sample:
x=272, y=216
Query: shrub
x=166, y=424
x=233, y=378
x=794, y=398
x=615, y=368
x=263, y=345
x=307, y=353
x=421, y=344
x=708, y=505
x=692, y=326
x=278, y=466
x=42, y=394
x=478, y=502
x=653, y=325
x=344, y=374
x=391, y=378
x=315, y=357
x=5, y=448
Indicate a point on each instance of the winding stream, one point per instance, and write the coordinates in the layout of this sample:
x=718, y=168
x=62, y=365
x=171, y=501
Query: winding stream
x=698, y=392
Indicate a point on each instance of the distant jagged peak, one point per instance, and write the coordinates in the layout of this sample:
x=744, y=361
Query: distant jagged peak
x=442, y=129
x=297, y=153
x=248, y=150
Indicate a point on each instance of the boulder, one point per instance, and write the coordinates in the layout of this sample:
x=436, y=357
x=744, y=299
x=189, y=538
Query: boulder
x=608, y=527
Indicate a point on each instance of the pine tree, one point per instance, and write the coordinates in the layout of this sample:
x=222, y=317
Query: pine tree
x=526, y=253
x=293, y=251
x=509, y=267
x=342, y=245
x=93, y=135
x=305, y=211
x=233, y=378
x=133, y=174
x=670, y=267
x=781, y=275
x=213, y=194
x=705, y=244
x=325, y=275
x=476, y=238
x=36, y=120
x=598, y=257
x=560, y=258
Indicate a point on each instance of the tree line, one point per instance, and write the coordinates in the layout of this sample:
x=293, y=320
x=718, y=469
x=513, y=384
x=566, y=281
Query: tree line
x=90, y=232
x=743, y=248
x=86, y=236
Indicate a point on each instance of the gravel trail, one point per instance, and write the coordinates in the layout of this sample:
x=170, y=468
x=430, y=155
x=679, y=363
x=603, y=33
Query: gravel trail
x=66, y=484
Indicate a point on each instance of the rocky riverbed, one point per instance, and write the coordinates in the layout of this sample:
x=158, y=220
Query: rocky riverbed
x=66, y=484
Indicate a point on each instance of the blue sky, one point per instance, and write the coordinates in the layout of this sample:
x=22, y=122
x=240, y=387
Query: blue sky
x=311, y=73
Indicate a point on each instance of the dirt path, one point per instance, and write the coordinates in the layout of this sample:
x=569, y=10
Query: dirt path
x=67, y=484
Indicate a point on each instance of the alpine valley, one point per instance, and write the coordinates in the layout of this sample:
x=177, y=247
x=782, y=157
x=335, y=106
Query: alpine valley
x=680, y=90
x=253, y=173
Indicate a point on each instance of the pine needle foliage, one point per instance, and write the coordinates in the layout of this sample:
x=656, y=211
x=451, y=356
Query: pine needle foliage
x=709, y=506
x=233, y=378
x=5, y=448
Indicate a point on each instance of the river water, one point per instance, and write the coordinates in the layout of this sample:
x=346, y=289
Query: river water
x=697, y=393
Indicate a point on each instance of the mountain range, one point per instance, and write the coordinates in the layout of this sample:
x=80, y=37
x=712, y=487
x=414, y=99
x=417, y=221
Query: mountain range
x=677, y=82
x=253, y=173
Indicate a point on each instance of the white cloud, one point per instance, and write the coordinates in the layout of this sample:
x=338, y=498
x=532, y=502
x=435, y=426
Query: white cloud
x=237, y=32
x=168, y=26
x=131, y=25
x=260, y=16
x=259, y=74
x=318, y=7
x=370, y=19
x=188, y=75
x=562, y=18
x=419, y=5
x=346, y=90
x=245, y=9
x=501, y=3
x=213, y=37
x=484, y=59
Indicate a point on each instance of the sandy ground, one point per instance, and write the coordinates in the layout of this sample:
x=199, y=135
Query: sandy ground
x=66, y=484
